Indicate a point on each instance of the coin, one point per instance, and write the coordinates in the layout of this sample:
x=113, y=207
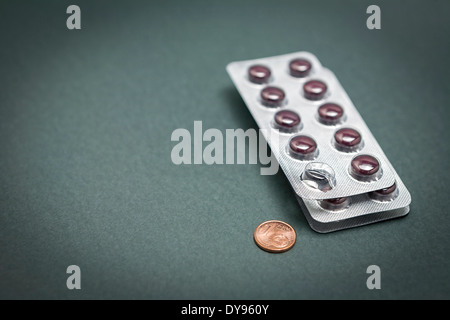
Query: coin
x=275, y=236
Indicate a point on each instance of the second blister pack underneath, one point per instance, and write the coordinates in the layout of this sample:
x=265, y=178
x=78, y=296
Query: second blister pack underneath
x=329, y=215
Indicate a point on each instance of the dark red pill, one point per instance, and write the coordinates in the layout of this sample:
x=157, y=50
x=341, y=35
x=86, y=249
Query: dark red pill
x=347, y=137
x=299, y=68
x=387, y=191
x=287, y=119
x=272, y=96
x=314, y=89
x=330, y=113
x=335, y=201
x=259, y=74
x=302, y=145
x=365, y=165
x=335, y=204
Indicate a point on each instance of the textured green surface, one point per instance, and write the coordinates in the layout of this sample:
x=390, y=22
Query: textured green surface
x=86, y=176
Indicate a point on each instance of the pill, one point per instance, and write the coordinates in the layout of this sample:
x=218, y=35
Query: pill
x=272, y=96
x=388, y=190
x=336, y=200
x=302, y=145
x=314, y=89
x=330, y=113
x=335, y=203
x=299, y=68
x=347, y=137
x=347, y=140
x=365, y=168
x=287, y=121
x=385, y=194
x=259, y=74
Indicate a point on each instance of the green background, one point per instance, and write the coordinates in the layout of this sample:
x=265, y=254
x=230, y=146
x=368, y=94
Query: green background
x=86, y=118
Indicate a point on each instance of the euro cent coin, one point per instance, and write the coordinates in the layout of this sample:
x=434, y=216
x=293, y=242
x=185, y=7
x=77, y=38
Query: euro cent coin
x=275, y=236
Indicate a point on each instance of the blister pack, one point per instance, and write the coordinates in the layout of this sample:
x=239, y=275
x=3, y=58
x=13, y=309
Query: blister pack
x=320, y=140
x=327, y=215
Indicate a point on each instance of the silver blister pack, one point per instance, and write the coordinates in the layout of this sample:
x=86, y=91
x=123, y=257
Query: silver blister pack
x=342, y=213
x=345, y=153
x=352, y=222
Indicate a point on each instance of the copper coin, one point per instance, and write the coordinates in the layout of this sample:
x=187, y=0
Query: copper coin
x=275, y=236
